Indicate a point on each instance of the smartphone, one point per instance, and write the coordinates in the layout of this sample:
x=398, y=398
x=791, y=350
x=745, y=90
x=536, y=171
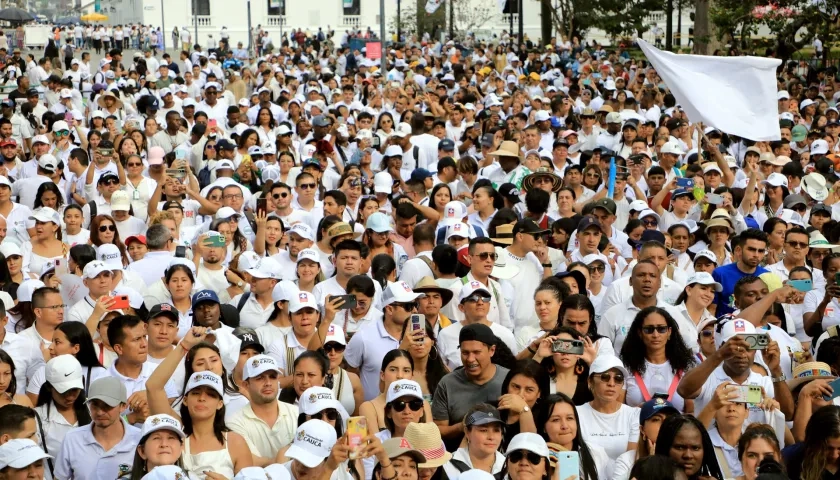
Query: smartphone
x=837, y=278
x=262, y=205
x=714, y=198
x=574, y=347
x=68, y=117
x=756, y=341
x=177, y=173
x=356, y=432
x=180, y=154
x=181, y=251
x=568, y=464
x=835, y=389
x=340, y=119
x=748, y=394
x=349, y=301
x=805, y=285
x=418, y=323
x=120, y=302
x=216, y=241
x=105, y=152
x=377, y=142
x=61, y=267
x=212, y=123
x=676, y=253
x=685, y=182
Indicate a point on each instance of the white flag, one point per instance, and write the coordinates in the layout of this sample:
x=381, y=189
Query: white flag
x=432, y=6
x=734, y=94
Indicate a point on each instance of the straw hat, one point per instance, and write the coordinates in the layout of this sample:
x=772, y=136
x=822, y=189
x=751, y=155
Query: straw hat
x=101, y=100
x=426, y=438
x=428, y=285
x=809, y=371
x=719, y=222
x=504, y=234
x=556, y=181
x=507, y=149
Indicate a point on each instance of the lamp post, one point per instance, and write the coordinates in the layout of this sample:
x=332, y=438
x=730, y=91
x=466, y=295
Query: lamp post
x=383, y=62
x=162, y=27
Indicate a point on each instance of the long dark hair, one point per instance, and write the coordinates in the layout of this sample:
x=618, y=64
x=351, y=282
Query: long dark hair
x=668, y=432
x=381, y=266
x=529, y=368
x=579, y=301
x=289, y=395
x=219, y=427
x=78, y=334
x=581, y=368
x=823, y=424
x=633, y=351
x=587, y=464
x=82, y=413
x=655, y=467
x=49, y=187
x=189, y=369
x=435, y=368
x=7, y=359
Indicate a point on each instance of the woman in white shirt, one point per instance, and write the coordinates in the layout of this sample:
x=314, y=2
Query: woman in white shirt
x=483, y=433
x=61, y=401
x=656, y=358
x=46, y=244
x=139, y=187
x=560, y=424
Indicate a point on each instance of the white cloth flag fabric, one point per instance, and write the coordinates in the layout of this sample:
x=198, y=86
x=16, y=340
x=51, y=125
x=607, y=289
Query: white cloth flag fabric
x=734, y=94
x=432, y=6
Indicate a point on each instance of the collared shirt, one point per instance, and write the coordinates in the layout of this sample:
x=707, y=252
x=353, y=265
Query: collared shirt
x=83, y=458
x=27, y=356
x=151, y=268
x=252, y=314
x=616, y=321
x=499, y=311
x=279, y=348
x=416, y=268
x=133, y=384
x=16, y=223
x=366, y=350
x=55, y=426
x=620, y=290
x=82, y=310
x=782, y=271
x=264, y=440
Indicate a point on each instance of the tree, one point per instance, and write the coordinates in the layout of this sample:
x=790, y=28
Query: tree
x=573, y=18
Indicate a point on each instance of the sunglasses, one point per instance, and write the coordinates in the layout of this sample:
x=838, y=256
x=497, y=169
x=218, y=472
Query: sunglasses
x=327, y=414
x=476, y=299
x=597, y=268
x=307, y=186
x=414, y=405
x=280, y=195
x=516, y=456
x=133, y=164
x=334, y=346
x=802, y=245
x=661, y=329
x=606, y=377
x=487, y=255
x=62, y=133
x=408, y=306
x=107, y=228
x=650, y=222
x=707, y=333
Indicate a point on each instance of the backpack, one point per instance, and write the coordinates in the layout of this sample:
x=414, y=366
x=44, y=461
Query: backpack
x=68, y=51
x=204, y=176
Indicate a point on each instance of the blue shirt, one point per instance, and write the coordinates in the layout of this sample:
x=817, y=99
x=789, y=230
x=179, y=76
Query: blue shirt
x=727, y=276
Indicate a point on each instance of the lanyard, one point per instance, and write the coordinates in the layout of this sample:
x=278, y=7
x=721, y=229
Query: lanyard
x=643, y=389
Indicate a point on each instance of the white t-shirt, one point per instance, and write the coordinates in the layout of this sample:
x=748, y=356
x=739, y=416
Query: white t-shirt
x=611, y=431
x=657, y=379
x=719, y=376
x=526, y=281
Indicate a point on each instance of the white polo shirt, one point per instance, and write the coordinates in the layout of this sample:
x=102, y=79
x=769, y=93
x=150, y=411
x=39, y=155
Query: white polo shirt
x=133, y=384
x=253, y=314
x=620, y=290
x=331, y=287
x=16, y=223
x=366, y=350
x=264, y=440
x=268, y=334
x=56, y=427
x=615, y=323
x=82, y=457
x=82, y=310
x=151, y=267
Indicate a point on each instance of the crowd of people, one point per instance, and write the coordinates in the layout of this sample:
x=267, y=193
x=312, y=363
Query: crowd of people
x=511, y=262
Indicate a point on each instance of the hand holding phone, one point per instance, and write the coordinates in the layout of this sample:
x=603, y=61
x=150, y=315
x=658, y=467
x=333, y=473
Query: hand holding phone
x=747, y=394
x=683, y=182
x=120, y=302
x=804, y=285
x=356, y=432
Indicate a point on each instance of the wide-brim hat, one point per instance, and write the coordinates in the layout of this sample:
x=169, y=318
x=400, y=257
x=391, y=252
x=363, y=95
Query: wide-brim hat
x=426, y=438
x=504, y=234
x=556, y=181
x=101, y=100
x=428, y=285
x=809, y=371
x=719, y=222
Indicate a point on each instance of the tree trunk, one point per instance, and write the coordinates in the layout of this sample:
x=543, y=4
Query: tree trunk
x=545, y=22
x=705, y=33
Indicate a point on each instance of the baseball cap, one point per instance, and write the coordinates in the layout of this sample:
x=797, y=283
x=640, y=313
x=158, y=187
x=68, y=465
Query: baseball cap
x=48, y=163
x=317, y=399
x=257, y=365
x=27, y=287
x=302, y=300
x=94, y=268
x=446, y=145
x=40, y=139
x=477, y=332
x=267, y=267
x=421, y=174
x=454, y=212
x=398, y=292
x=110, y=254
x=156, y=155
x=736, y=326
x=225, y=144
x=8, y=141
x=403, y=388
x=120, y=201
x=46, y=215
x=162, y=421
x=335, y=334
x=605, y=363
x=531, y=442
x=20, y=453
x=383, y=183
x=225, y=212
x=704, y=278
x=776, y=180
x=164, y=309
x=588, y=222
x=313, y=442
x=108, y=175
x=205, y=379
x=107, y=389
x=309, y=254
x=248, y=338
x=64, y=373
x=819, y=147
x=526, y=225
x=654, y=406
x=708, y=254
x=135, y=238
x=204, y=296
x=378, y=222
x=458, y=230
x=470, y=288
x=303, y=230
x=483, y=418
x=607, y=204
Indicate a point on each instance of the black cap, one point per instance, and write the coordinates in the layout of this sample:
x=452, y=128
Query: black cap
x=528, y=226
x=510, y=192
x=248, y=339
x=32, y=92
x=487, y=139
x=479, y=333
x=821, y=208
x=588, y=221
x=163, y=309
x=607, y=204
x=653, y=235
x=483, y=418
x=107, y=176
x=106, y=144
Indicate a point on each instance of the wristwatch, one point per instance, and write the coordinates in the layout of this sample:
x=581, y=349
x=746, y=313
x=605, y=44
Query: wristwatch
x=240, y=284
x=526, y=409
x=781, y=378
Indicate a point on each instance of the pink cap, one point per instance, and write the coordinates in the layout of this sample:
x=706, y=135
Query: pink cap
x=156, y=155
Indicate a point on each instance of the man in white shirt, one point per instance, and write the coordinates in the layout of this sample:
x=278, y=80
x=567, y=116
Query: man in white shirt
x=619, y=290
x=300, y=237
x=127, y=335
x=98, y=278
x=152, y=267
x=255, y=307
x=534, y=265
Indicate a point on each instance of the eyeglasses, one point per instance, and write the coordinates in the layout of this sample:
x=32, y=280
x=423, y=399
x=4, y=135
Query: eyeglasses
x=593, y=175
x=661, y=329
x=62, y=133
x=110, y=181
x=798, y=244
x=407, y=306
x=334, y=346
x=606, y=377
x=414, y=405
x=516, y=456
x=54, y=307
x=487, y=256
x=138, y=164
x=280, y=195
x=799, y=208
x=210, y=92
x=232, y=196
x=107, y=228
x=477, y=298
x=597, y=268
x=328, y=414
x=307, y=186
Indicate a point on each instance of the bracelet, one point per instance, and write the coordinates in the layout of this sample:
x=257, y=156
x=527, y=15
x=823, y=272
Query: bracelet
x=385, y=466
x=546, y=265
x=531, y=349
x=185, y=349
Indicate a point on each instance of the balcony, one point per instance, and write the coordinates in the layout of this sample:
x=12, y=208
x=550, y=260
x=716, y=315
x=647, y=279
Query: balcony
x=505, y=19
x=203, y=20
x=351, y=21
x=276, y=21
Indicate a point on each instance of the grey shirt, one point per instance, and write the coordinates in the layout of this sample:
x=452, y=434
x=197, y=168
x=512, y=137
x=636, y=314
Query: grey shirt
x=455, y=395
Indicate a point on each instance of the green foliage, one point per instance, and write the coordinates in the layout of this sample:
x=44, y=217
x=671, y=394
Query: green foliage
x=616, y=17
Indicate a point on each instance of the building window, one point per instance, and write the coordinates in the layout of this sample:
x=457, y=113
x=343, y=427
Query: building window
x=276, y=7
x=352, y=7
x=202, y=7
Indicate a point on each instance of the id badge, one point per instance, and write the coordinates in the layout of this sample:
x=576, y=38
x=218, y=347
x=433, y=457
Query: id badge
x=136, y=195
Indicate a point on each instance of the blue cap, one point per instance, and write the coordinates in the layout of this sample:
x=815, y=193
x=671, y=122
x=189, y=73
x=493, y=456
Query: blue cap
x=680, y=192
x=586, y=222
x=225, y=144
x=446, y=145
x=653, y=235
x=378, y=222
x=555, y=122
x=420, y=174
x=312, y=162
x=205, y=296
x=654, y=406
x=153, y=103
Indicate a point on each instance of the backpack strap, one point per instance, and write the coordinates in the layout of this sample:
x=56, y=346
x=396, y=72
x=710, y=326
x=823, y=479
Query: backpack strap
x=290, y=357
x=428, y=263
x=464, y=281
x=242, y=300
x=44, y=442
x=721, y=458
x=459, y=465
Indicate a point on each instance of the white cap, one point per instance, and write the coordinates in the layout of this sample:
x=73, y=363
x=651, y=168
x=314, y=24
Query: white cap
x=313, y=442
x=309, y=254
x=605, y=363
x=9, y=249
x=672, y=147
x=20, y=453
x=303, y=230
x=470, y=288
x=224, y=164
x=64, y=373
x=27, y=288
x=276, y=471
x=782, y=95
x=789, y=216
x=255, y=150
x=257, y=365
x=648, y=213
x=458, y=230
x=454, y=212
x=46, y=215
x=94, y=268
x=542, y=116
x=393, y=151
x=205, y=379
x=110, y=254
x=317, y=399
x=382, y=182
x=283, y=291
x=256, y=473
x=736, y=326
x=246, y=259
x=704, y=278
x=711, y=167
x=166, y=472
x=403, y=388
x=335, y=334
x=48, y=162
x=819, y=147
x=402, y=130
x=706, y=254
x=162, y=421
x=267, y=267
x=528, y=441
x=595, y=257
x=65, y=93
x=302, y=300
x=225, y=212
x=398, y=292
x=283, y=129
x=638, y=206
x=41, y=139
x=776, y=180
x=120, y=201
